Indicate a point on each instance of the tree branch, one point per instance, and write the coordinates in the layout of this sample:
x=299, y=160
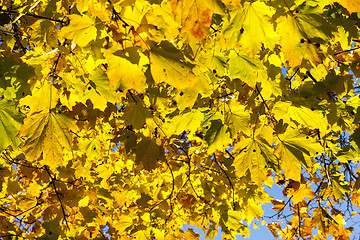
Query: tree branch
x=52, y=182
x=33, y=15
x=231, y=185
x=189, y=170
x=348, y=50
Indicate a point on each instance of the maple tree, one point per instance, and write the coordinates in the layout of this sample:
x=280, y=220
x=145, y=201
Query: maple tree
x=129, y=118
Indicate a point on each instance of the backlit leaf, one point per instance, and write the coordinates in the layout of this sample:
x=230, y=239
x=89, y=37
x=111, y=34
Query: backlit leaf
x=218, y=136
x=168, y=65
x=46, y=133
x=119, y=77
x=247, y=69
x=249, y=27
x=81, y=30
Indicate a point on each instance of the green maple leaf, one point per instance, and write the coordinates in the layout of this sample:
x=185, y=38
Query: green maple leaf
x=10, y=121
x=186, y=121
x=247, y=69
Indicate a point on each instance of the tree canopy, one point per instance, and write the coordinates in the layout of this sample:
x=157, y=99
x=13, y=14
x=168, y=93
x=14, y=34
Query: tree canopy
x=126, y=119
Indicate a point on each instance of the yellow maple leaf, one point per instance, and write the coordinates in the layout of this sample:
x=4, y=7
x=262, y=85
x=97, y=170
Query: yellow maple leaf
x=195, y=16
x=250, y=27
x=46, y=133
x=119, y=74
x=81, y=30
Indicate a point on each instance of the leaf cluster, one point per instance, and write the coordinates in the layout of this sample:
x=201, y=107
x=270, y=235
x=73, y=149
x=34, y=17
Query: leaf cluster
x=128, y=119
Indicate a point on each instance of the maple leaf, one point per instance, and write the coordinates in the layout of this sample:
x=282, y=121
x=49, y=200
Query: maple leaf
x=245, y=68
x=217, y=136
x=195, y=15
x=129, y=119
x=10, y=122
x=167, y=64
x=254, y=156
x=294, y=149
x=249, y=27
x=119, y=77
x=303, y=34
x=46, y=133
x=81, y=30
x=350, y=5
x=148, y=153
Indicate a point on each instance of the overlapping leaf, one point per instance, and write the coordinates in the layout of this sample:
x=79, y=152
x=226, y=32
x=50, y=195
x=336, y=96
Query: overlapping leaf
x=10, y=122
x=294, y=150
x=81, y=30
x=195, y=15
x=46, y=134
x=167, y=64
x=249, y=27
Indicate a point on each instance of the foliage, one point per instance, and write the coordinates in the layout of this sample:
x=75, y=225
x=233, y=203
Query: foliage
x=129, y=118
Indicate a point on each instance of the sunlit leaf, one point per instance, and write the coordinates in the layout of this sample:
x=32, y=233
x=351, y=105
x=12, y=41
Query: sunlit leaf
x=81, y=30
x=249, y=27
x=46, y=133
x=168, y=65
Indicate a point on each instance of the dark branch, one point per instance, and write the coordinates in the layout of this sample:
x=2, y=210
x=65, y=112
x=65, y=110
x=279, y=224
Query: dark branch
x=170, y=195
x=117, y=16
x=231, y=185
x=263, y=100
x=189, y=170
x=33, y=15
x=290, y=78
x=311, y=76
x=52, y=182
x=348, y=50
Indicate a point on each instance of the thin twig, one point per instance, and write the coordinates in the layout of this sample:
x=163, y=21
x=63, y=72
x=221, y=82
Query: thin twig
x=57, y=195
x=170, y=195
x=282, y=209
x=33, y=15
x=232, y=157
x=189, y=170
x=290, y=78
x=12, y=161
x=231, y=185
x=172, y=191
x=348, y=50
x=102, y=234
x=267, y=107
